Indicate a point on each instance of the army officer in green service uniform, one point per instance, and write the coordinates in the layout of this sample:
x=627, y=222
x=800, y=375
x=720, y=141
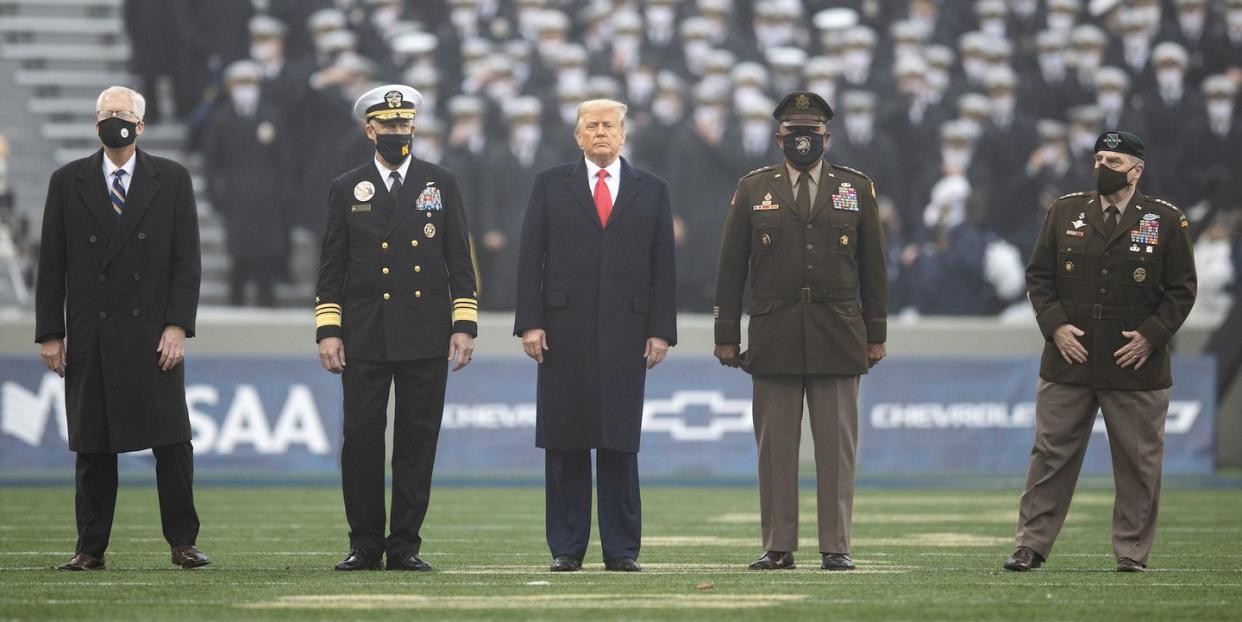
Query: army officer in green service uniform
x=1111, y=279
x=808, y=233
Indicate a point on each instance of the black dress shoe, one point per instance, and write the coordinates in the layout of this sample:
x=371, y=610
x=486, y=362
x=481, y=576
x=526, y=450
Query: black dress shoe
x=836, y=561
x=356, y=560
x=774, y=560
x=410, y=562
x=82, y=561
x=1125, y=564
x=1024, y=559
x=622, y=564
x=565, y=563
x=189, y=557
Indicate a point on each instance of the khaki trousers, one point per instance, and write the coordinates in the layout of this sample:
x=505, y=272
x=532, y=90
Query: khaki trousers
x=1064, y=415
x=833, y=404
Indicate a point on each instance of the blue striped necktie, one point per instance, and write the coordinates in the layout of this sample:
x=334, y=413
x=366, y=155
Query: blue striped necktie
x=118, y=192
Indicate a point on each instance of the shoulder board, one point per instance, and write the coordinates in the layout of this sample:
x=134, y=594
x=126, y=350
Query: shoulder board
x=757, y=171
x=852, y=170
x=1074, y=194
x=1166, y=204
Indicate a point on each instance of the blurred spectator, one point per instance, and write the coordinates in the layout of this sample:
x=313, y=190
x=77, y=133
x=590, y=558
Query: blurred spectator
x=247, y=180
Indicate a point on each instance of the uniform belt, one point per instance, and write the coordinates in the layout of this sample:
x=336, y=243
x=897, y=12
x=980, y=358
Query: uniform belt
x=811, y=294
x=1108, y=312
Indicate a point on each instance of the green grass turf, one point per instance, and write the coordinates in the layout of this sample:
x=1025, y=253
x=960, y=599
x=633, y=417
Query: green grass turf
x=922, y=555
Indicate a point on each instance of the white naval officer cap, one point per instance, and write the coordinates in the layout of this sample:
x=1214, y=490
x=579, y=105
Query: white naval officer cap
x=1170, y=52
x=1219, y=85
x=266, y=26
x=388, y=102
x=835, y=19
x=244, y=70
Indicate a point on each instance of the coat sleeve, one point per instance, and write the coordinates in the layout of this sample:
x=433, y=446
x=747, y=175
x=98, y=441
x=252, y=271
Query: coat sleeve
x=1041, y=279
x=532, y=248
x=186, y=271
x=333, y=266
x=734, y=266
x=662, y=322
x=463, y=286
x=53, y=264
x=873, y=270
x=1180, y=284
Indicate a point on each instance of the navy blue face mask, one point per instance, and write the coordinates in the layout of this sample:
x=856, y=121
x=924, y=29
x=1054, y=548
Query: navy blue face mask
x=803, y=147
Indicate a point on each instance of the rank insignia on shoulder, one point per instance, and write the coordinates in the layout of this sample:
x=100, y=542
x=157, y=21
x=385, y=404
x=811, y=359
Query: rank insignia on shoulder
x=1185, y=224
x=364, y=190
x=429, y=199
x=360, y=207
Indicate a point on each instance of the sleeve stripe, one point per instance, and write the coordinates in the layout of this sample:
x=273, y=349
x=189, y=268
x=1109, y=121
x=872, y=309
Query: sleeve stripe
x=327, y=319
x=465, y=315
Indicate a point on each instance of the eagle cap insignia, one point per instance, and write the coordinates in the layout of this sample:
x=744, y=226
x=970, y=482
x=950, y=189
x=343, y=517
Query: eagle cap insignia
x=1112, y=139
x=393, y=98
x=802, y=102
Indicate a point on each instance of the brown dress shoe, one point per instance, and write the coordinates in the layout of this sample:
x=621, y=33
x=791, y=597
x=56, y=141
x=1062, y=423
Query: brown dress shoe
x=836, y=561
x=82, y=561
x=188, y=557
x=1023, y=559
x=1125, y=564
x=774, y=560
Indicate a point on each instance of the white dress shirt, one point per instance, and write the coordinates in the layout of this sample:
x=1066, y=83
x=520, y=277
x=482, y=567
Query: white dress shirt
x=109, y=168
x=384, y=172
x=613, y=180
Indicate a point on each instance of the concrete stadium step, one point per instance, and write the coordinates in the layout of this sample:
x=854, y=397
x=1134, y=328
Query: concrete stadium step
x=81, y=52
x=63, y=79
x=26, y=7
x=77, y=106
x=36, y=25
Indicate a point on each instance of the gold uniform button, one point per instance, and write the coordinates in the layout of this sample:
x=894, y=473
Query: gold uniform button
x=387, y=295
x=413, y=242
x=418, y=268
x=418, y=294
x=429, y=214
x=385, y=270
x=384, y=245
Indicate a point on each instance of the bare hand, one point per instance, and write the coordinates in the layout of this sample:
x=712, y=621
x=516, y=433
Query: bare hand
x=655, y=352
x=1133, y=353
x=875, y=353
x=1065, y=338
x=332, y=354
x=535, y=342
x=54, y=355
x=727, y=354
x=172, y=347
x=461, y=350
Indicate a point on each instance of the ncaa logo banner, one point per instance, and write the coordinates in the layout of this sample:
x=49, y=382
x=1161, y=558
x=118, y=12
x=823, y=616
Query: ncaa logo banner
x=282, y=416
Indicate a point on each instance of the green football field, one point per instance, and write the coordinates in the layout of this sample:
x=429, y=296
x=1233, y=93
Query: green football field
x=922, y=555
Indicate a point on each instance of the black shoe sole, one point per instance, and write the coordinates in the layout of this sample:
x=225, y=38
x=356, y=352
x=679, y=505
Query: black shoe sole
x=762, y=569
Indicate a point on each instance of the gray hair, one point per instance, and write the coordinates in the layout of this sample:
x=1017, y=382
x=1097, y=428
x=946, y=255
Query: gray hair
x=138, y=101
x=598, y=105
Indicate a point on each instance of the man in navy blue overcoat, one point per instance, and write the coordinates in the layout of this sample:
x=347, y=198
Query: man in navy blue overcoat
x=596, y=310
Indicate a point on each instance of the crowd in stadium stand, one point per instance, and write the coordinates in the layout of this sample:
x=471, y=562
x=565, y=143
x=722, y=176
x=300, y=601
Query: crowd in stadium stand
x=971, y=116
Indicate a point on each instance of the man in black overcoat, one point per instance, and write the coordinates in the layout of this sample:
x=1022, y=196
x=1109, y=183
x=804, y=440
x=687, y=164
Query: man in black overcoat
x=596, y=309
x=118, y=286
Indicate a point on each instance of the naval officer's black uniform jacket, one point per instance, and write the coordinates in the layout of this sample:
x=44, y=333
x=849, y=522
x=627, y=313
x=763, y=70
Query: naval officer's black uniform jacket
x=395, y=275
x=395, y=281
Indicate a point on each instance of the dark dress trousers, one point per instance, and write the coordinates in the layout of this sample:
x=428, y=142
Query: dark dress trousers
x=599, y=293
x=110, y=285
x=395, y=281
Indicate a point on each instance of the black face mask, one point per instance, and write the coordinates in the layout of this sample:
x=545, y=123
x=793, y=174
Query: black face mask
x=394, y=148
x=803, y=148
x=117, y=133
x=1108, y=181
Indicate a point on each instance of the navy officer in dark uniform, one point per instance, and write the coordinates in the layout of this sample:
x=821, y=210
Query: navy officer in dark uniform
x=396, y=293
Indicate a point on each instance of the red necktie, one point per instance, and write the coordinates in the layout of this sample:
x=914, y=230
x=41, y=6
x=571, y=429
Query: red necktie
x=603, y=198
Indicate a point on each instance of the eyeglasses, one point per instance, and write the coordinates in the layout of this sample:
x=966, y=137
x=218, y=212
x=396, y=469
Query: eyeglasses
x=124, y=115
